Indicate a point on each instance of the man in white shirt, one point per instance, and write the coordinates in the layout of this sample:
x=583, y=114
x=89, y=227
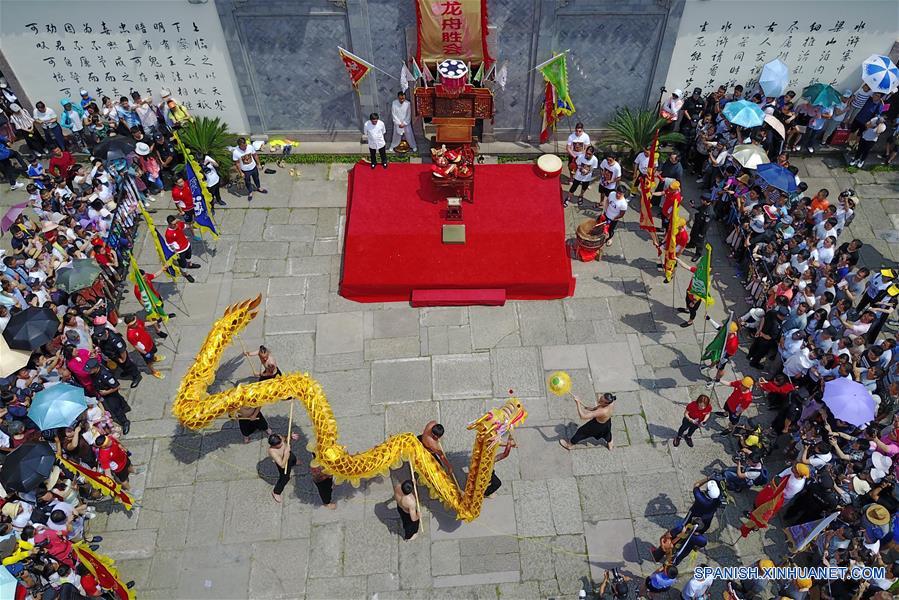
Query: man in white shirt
x=610, y=175
x=839, y=115
x=374, y=132
x=641, y=166
x=583, y=175
x=401, y=111
x=577, y=144
x=146, y=112
x=615, y=209
x=49, y=122
x=244, y=157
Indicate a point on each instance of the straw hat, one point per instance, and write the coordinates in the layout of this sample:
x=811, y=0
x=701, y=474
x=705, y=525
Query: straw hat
x=142, y=149
x=876, y=514
x=49, y=226
x=744, y=179
x=11, y=509
x=860, y=486
x=766, y=564
x=53, y=478
x=734, y=327
x=801, y=469
x=804, y=583
x=747, y=382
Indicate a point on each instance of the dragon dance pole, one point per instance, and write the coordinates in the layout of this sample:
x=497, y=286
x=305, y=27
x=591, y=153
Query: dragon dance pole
x=289, y=427
x=415, y=489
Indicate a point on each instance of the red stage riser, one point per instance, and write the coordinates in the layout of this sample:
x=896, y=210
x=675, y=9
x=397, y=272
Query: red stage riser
x=515, y=236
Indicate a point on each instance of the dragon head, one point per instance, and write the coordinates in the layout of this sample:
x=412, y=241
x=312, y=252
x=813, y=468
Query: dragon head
x=499, y=422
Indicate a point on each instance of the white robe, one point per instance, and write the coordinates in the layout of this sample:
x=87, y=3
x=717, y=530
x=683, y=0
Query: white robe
x=402, y=114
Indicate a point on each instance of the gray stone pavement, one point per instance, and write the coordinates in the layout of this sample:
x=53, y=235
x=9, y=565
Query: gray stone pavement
x=205, y=525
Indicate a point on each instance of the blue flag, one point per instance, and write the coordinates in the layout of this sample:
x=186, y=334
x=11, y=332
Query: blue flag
x=201, y=196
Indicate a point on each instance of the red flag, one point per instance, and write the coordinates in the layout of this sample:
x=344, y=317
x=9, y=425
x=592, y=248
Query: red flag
x=646, y=188
x=99, y=481
x=549, y=113
x=102, y=567
x=356, y=67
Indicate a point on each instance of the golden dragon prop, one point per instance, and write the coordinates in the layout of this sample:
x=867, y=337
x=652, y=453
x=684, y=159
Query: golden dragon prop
x=196, y=409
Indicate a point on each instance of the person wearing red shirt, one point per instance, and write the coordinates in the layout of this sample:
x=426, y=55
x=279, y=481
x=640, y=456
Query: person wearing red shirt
x=695, y=416
x=184, y=200
x=739, y=400
x=60, y=163
x=731, y=345
x=778, y=390
x=176, y=240
x=113, y=459
x=139, y=337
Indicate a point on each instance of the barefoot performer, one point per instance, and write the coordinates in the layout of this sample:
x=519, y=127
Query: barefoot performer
x=599, y=421
x=284, y=459
x=407, y=506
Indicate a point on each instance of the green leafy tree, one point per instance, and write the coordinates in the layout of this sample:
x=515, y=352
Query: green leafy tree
x=635, y=130
x=205, y=136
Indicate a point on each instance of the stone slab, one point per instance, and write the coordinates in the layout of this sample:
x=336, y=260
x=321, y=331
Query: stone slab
x=461, y=376
x=339, y=333
x=497, y=518
x=401, y=380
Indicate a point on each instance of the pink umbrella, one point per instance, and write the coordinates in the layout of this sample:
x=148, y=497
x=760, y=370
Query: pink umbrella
x=11, y=215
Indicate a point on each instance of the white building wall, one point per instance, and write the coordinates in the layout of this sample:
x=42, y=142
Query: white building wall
x=111, y=47
x=728, y=41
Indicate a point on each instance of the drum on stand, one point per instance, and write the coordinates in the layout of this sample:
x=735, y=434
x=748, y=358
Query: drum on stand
x=591, y=237
x=453, y=77
x=549, y=166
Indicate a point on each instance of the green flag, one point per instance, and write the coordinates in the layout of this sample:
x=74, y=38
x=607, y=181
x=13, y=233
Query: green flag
x=555, y=72
x=714, y=350
x=701, y=287
x=152, y=303
x=479, y=76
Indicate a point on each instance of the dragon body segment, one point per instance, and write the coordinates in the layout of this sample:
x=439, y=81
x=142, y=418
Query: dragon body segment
x=195, y=408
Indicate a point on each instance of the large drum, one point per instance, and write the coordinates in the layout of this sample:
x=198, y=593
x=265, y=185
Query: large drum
x=549, y=166
x=453, y=76
x=591, y=237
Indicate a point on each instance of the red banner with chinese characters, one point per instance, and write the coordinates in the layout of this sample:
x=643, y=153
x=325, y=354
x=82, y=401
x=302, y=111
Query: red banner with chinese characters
x=452, y=29
x=99, y=481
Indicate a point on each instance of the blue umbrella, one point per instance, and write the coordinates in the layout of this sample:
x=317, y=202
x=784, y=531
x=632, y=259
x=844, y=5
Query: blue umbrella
x=744, y=113
x=57, y=406
x=8, y=584
x=880, y=73
x=774, y=78
x=777, y=176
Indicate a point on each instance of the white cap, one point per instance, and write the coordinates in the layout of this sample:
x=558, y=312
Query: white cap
x=677, y=93
x=769, y=110
x=712, y=489
x=15, y=107
x=82, y=92
x=165, y=93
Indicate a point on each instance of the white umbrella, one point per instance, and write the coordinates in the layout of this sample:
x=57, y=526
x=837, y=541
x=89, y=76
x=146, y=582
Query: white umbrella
x=774, y=78
x=11, y=360
x=750, y=155
x=776, y=125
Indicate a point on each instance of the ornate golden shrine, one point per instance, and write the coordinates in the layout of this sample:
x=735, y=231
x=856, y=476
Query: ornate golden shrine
x=454, y=113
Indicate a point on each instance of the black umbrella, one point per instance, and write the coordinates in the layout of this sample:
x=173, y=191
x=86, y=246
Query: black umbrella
x=27, y=466
x=114, y=147
x=31, y=328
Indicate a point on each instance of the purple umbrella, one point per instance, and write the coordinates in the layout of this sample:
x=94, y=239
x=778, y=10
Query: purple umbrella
x=849, y=401
x=11, y=215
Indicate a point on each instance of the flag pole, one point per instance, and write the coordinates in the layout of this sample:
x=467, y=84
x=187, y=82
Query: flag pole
x=546, y=62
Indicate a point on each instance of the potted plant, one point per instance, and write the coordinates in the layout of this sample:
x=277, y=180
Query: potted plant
x=204, y=136
x=635, y=129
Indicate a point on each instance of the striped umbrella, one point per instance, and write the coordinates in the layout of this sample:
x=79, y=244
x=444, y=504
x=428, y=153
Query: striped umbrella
x=880, y=73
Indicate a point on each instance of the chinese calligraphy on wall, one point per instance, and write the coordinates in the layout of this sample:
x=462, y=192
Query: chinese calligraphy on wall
x=55, y=53
x=726, y=43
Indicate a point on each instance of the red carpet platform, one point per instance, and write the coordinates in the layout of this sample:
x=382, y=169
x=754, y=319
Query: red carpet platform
x=515, y=238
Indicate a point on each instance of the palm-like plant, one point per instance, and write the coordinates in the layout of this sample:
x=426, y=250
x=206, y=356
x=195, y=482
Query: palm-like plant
x=204, y=136
x=635, y=129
